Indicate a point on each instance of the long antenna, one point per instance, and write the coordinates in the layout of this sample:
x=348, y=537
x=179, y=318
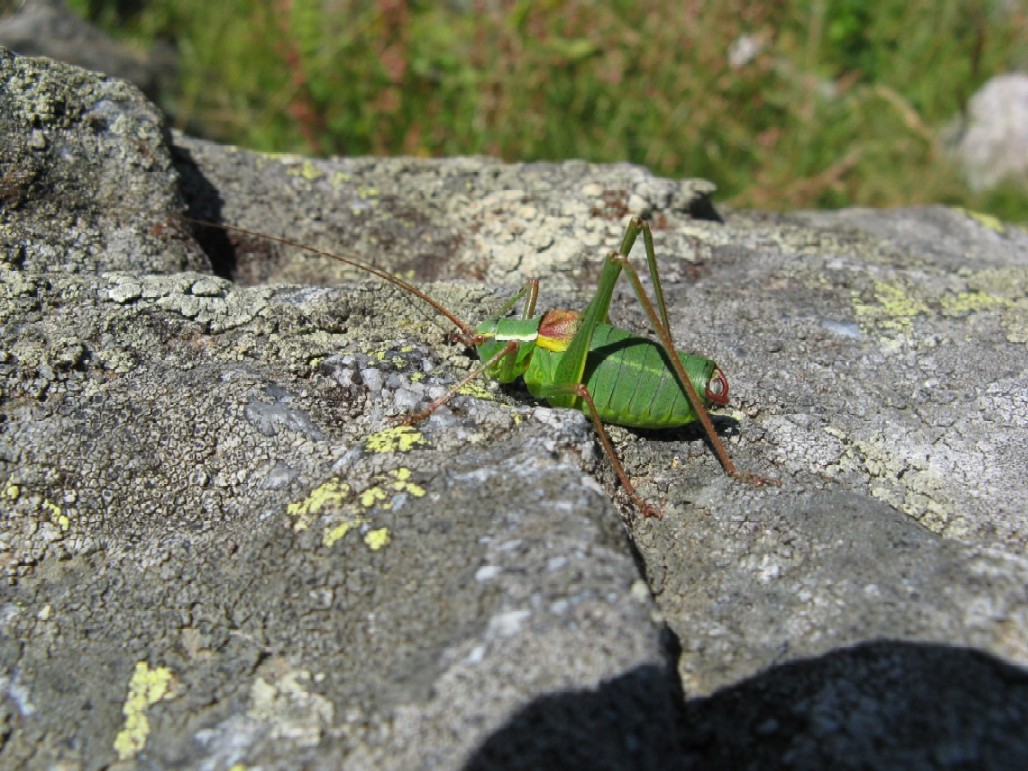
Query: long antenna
x=466, y=330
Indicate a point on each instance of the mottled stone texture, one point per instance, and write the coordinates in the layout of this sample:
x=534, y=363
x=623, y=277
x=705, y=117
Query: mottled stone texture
x=219, y=549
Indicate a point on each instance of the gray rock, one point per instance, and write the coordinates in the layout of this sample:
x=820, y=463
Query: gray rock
x=993, y=146
x=49, y=28
x=219, y=549
x=77, y=145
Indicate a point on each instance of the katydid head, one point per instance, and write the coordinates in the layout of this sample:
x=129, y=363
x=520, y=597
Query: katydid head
x=557, y=328
x=717, y=387
x=707, y=378
x=492, y=336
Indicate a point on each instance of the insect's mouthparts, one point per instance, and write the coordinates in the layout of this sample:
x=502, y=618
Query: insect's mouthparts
x=717, y=387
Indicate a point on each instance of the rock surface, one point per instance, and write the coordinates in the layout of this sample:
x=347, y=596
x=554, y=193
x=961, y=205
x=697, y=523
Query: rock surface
x=219, y=549
x=994, y=144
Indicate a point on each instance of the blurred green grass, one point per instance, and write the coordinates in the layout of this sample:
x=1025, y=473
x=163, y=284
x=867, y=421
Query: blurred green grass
x=789, y=104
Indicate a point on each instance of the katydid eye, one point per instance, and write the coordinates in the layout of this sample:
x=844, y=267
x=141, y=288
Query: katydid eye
x=717, y=387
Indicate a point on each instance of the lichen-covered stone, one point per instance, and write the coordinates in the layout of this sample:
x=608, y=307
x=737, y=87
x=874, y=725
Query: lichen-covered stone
x=219, y=549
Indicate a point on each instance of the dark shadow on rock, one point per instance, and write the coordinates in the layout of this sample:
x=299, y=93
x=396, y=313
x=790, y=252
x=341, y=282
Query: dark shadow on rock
x=882, y=705
x=878, y=705
x=724, y=425
x=628, y=722
x=204, y=203
x=702, y=208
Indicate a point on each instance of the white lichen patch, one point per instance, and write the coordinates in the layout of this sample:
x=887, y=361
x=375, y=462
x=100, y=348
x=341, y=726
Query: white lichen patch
x=283, y=701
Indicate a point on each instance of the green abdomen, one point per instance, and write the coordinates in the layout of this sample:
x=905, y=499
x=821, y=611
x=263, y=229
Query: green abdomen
x=631, y=381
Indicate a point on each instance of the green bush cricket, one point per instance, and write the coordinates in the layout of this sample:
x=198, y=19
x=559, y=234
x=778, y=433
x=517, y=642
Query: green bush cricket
x=577, y=360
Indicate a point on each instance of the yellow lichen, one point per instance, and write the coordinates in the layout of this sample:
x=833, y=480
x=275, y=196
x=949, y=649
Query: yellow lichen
x=56, y=516
x=396, y=480
x=477, y=390
x=394, y=439
x=333, y=491
x=146, y=688
x=305, y=170
x=337, y=532
x=377, y=539
x=963, y=303
x=892, y=309
x=371, y=496
x=401, y=483
x=992, y=223
x=378, y=495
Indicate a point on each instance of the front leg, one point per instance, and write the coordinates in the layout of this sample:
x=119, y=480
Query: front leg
x=580, y=392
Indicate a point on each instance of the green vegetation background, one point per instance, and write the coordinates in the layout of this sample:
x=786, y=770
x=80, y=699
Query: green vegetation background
x=795, y=103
